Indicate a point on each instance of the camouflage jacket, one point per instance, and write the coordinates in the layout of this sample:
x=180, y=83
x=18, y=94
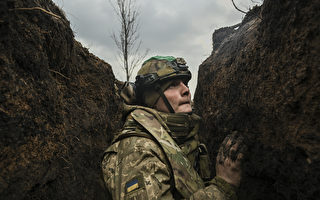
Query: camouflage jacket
x=145, y=162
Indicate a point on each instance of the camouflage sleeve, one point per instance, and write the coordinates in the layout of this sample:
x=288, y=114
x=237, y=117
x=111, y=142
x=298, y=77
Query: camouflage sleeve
x=229, y=191
x=136, y=168
x=218, y=189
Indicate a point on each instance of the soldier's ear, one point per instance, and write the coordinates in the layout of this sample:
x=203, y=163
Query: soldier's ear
x=128, y=93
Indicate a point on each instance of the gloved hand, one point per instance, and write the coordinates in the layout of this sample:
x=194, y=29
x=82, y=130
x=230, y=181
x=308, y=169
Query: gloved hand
x=228, y=162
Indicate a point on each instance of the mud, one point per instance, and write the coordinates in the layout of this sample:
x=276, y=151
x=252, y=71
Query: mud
x=58, y=106
x=262, y=81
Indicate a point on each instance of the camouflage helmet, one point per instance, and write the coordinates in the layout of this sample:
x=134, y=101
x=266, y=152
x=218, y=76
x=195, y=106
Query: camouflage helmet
x=155, y=76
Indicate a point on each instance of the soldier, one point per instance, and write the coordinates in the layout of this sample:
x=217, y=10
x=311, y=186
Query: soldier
x=158, y=155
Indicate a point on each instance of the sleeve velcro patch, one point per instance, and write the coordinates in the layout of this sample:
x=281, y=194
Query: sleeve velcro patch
x=134, y=184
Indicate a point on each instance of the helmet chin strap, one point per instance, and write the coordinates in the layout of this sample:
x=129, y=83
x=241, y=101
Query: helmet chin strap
x=158, y=88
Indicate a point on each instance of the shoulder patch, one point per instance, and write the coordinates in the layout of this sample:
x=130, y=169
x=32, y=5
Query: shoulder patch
x=134, y=184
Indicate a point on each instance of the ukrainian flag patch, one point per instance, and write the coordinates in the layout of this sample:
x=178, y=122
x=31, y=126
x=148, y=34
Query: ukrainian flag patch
x=132, y=185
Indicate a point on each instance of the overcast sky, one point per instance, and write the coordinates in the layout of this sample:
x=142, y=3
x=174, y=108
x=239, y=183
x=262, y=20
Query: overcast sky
x=181, y=28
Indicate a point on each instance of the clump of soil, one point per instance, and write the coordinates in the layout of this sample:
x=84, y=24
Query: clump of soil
x=262, y=80
x=58, y=106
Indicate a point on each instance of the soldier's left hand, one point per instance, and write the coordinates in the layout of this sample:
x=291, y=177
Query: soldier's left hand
x=228, y=162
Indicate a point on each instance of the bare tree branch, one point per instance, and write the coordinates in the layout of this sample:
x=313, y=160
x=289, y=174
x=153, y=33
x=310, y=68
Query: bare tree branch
x=238, y=8
x=127, y=39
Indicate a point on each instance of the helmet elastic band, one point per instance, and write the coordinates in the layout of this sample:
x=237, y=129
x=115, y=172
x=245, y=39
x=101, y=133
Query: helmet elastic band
x=158, y=88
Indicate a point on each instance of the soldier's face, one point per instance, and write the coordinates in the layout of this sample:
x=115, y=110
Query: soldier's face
x=178, y=95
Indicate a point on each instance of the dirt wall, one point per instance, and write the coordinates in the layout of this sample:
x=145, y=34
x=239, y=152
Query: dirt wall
x=58, y=106
x=262, y=80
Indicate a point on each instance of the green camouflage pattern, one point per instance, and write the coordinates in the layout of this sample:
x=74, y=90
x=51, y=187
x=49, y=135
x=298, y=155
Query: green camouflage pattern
x=151, y=96
x=137, y=155
x=163, y=67
x=132, y=157
x=228, y=189
x=187, y=181
x=183, y=128
x=168, y=58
